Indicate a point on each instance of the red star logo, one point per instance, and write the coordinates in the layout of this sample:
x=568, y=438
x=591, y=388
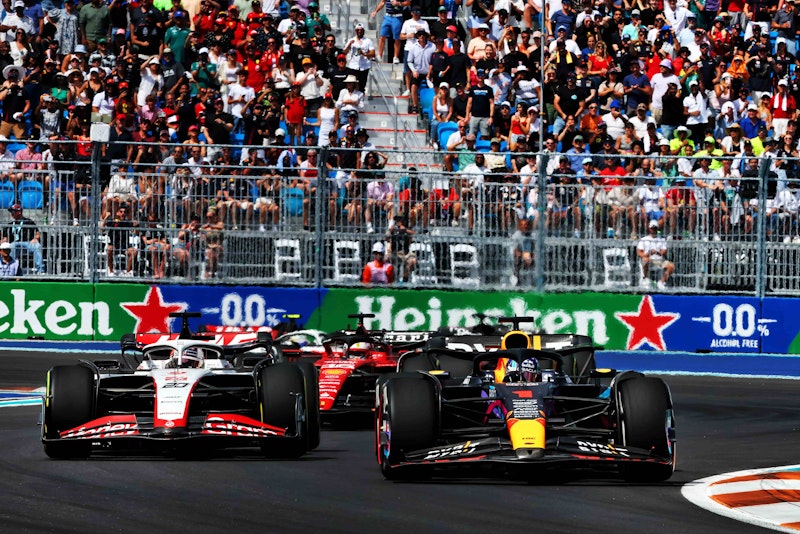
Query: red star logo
x=152, y=315
x=646, y=326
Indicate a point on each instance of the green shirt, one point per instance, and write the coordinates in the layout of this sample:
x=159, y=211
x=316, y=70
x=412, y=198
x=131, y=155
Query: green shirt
x=94, y=21
x=175, y=40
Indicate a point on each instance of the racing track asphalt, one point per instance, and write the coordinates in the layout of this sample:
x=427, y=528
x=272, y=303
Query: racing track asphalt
x=723, y=425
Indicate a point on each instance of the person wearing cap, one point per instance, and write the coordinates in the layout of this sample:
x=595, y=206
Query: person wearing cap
x=408, y=33
x=391, y=25
x=652, y=252
x=22, y=234
x=419, y=66
x=311, y=82
x=783, y=108
x=479, y=16
x=751, y=123
x=695, y=109
x=378, y=271
x=17, y=20
x=442, y=22
x=176, y=36
x=16, y=103
x=359, y=51
x=173, y=71
x=351, y=99
x=9, y=265
x=681, y=140
x=659, y=84
x=476, y=49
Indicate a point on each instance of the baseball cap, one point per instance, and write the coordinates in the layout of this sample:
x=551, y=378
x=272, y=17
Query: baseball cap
x=505, y=103
x=752, y=107
x=5, y=245
x=783, y=82
x=202, y=51
x=307, y=61
x=653, y=224
x=587, y=161
x=616, y=104
x=280, y=132
x=378, y=248
x=709, y=139
x=451, y=28
x=666, y=63
x=636, y=12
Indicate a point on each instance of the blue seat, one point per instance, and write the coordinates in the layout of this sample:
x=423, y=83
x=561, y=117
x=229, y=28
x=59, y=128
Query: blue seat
x=446, y=129
x=426, y=95
x=6, y=194
x=292, y=201
x=483, y=145
x=31, y=194
x=15, y=147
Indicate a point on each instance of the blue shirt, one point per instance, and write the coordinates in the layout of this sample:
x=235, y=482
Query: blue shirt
x=750, y=128
x=636, y=96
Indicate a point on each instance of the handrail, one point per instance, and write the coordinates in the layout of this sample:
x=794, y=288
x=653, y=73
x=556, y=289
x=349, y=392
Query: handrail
x=394, y=110
x=343, y=11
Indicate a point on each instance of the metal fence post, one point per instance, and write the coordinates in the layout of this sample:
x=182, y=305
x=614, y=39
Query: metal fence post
x=761, y=226
x=321, y=215
x=541, y=208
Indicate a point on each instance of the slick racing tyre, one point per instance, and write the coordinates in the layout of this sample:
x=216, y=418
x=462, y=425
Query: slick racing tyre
x=278, y=388
x=407, y=420
x=312, y=414
x=645, y=422
x=68, y=403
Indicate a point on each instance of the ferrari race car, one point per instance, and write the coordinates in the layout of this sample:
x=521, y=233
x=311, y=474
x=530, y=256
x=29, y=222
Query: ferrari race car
x=350, y=363
x=185, y=395
x=517, y=409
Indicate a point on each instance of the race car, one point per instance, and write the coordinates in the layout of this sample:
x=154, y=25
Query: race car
x=350, y=363
x=516, y=409
x=182, y=394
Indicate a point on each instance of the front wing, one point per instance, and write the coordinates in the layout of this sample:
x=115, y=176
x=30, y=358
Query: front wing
x=131, y=427
x=558, y=451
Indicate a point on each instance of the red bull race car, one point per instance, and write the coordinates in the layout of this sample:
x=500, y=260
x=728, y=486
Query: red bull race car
x=183, y=393
x=518, y=409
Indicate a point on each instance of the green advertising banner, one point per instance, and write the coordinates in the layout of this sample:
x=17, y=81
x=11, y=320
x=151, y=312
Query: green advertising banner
x=589, y=314
x=51, y=311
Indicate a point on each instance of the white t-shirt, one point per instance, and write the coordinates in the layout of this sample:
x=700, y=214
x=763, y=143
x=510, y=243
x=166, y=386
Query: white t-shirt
x=660, y=83
x=235, y=92
x=412, y=26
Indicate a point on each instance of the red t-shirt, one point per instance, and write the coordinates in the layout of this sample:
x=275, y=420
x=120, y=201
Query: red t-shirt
x=295, y=109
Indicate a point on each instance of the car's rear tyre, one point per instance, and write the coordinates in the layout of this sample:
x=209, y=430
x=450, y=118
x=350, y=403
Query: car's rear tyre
x=69, y=402
x=278, y=388
x=408, y=421
x=313, y=423
x=645, y=422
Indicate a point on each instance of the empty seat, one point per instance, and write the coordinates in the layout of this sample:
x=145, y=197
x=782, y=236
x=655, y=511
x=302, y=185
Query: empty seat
x=288, y=264
x=6, y=194
x=347, y=264
x=616, y=267
x=425, y=271
x=31, y=194
x=464, y=266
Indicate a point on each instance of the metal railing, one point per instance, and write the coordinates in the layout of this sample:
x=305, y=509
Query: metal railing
x=254, y=222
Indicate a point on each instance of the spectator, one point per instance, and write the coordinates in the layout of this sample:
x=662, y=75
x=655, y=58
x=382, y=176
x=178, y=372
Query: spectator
x=652, y=250
x=67, y=28
x=23, y=235
x=16, y=102
x=351, y=99
x=523, y=244
x=310, y=81
x=390, y=26
x=442, y=111
x=9, y=266
x=120, y=230
x=212, y=232
x=419, y=64
x=378, y=271
x=399, y=237
x=480, y=107
x=615, y=121
x=359, y=50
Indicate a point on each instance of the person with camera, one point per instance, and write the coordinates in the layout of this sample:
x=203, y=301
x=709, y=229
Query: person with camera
x=359, y=51
x=16, y=103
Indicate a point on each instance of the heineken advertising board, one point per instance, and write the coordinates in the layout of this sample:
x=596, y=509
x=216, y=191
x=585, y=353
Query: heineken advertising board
x=78, y=311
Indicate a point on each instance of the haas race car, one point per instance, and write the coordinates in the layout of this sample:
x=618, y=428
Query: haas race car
x=536, y=403
x=184, y=393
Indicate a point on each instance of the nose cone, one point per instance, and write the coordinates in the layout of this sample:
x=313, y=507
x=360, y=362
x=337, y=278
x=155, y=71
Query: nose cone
x=529, y=454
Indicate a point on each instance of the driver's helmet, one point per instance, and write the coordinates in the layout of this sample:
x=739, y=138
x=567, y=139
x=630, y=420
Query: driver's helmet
x=360, y=349
x=530, y=370
x=191, y=358
x=512, y=371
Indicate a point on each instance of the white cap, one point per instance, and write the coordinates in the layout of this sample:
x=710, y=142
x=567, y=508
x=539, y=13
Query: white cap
x=202, y=51
x=280, y=132
x=445, y=85
x=378, y=247
x=19, y=3
x=653, y=224
x=666, y=63
x=79, y=49
x=5, y=245
x=522, y=68
x=693, y=83
x=752, y=107
x=93, y=70
x=358, y=26
x=172, y=119
x=783, y=82
x=663, y=142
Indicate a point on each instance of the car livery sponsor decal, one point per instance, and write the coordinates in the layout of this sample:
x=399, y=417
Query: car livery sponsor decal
x=602, y=449
x=239, y=426
x=106, y=427
x=331, y=377
x=462, y=449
